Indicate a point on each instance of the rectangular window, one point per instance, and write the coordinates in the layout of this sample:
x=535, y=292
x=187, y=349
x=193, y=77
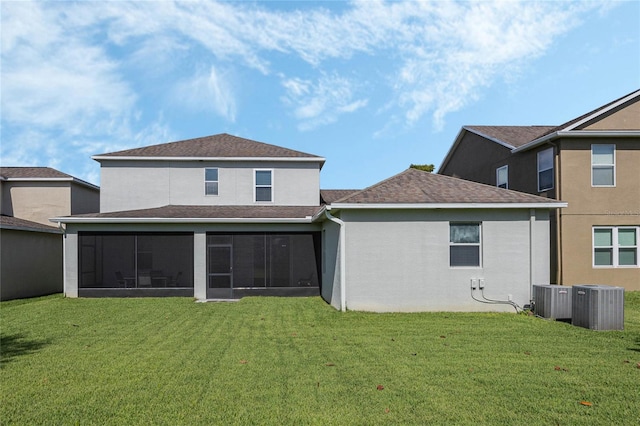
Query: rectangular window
x=603, y=165
x=615, y=246
x=264, y=185
x=464, y=244
x=545, y=170
x=502, y=177
x=211, y=181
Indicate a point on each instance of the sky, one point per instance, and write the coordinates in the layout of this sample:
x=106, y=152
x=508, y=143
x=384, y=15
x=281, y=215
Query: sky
x=372, y=86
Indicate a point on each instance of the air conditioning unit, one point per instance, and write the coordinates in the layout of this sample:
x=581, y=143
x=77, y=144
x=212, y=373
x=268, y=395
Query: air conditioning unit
x=552, y=301
x=598, y=307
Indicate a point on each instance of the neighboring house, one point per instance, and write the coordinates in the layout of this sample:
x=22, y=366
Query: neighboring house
x=30, y=248
x=592, y=163
x=226, y=217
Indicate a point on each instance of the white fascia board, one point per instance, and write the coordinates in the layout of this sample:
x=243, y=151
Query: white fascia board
x=577, y=134
x=307, y=219
x=492, y=139
x=228, y=159
x=435, y=206
x=602, y=111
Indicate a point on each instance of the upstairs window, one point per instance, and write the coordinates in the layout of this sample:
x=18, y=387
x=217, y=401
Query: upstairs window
x=464, y=244
x=502, y=177
x=264, y=185
x=603, y=165
x=615, y=246
x=211, y=181
x=545, y=170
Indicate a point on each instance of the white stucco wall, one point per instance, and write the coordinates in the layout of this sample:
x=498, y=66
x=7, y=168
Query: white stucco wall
x=399, y=260
x=130, y=185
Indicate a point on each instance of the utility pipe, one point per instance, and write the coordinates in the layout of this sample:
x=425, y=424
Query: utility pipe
x=343, y=266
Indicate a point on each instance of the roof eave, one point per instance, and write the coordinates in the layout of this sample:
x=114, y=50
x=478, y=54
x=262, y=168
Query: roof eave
x=175, y=220
x=576, y=134
x=100, y=158
x=52, y=179
x=435, y=206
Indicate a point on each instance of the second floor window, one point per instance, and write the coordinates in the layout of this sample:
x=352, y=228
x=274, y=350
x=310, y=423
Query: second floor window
x=603, y=165
x=502, y=177
x=211, y=181
x=264, y=185
x=545, y=170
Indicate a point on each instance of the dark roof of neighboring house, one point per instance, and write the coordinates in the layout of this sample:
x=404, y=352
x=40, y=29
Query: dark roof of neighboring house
x=217, y=146
x=10, y=222
x=39, y=173
x=417, y=187
x=514, y=136
x=209, y=212
x=32, y=173
x=328, y=196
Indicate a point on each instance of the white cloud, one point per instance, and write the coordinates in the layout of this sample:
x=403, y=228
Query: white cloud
x=321, y=102
x=67, y=66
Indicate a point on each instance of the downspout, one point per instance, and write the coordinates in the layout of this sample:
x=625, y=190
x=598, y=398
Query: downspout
x=343, y=266
x=532, y=223
x=558, y=220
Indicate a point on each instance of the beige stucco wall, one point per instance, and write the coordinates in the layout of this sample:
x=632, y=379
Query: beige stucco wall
x=36, y=201
x=590, y=206
x=625, y=118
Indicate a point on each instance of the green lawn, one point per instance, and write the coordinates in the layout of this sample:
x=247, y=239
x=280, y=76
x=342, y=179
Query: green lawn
x=298, y=361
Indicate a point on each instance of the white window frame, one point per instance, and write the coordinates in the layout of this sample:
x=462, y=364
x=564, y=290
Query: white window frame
x=256, y=186
x=478, y=244
x=506, y=182
x=603, y=166
x=615, y=246
x=544, y=170
x=211, y=181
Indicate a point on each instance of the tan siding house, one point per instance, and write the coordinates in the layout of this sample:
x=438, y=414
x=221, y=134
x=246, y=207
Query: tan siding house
x=592, y=163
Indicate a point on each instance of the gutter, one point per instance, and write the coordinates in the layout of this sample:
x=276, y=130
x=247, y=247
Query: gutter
x=97, y=220
x=343, y=266
x=576, y=134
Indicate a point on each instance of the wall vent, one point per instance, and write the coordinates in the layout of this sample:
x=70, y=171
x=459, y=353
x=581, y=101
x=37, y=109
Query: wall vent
x=552, y=301
x=598, y=307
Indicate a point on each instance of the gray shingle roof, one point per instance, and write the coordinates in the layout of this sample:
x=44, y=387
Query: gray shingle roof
x=10, y=222
x=328, y=196
x=217, y=146
x=416, y=187
x=211, y=212
x=514, y=136
x=32, y=173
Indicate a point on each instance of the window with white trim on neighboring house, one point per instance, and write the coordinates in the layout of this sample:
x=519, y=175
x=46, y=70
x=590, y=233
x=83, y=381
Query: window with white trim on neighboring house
x=615, y=246
x=545, y=170
x=502, y=177
x=263, y=185
x=464, y=244
x=603, y=165
x=211, y=181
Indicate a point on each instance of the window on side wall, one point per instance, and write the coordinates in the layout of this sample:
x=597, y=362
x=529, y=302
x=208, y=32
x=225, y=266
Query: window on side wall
x=502, y=177
x=603, y=165
x=615, y=246
x=211, y=181
x=464, y=244
x=264, y=185
x=545, y=170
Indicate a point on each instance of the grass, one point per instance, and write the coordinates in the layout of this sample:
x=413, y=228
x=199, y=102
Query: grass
x=298, y=361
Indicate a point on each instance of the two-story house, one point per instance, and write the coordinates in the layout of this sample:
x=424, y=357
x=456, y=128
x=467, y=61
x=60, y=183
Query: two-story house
x=223, y=217
x=593, y=163
x=31, y=248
